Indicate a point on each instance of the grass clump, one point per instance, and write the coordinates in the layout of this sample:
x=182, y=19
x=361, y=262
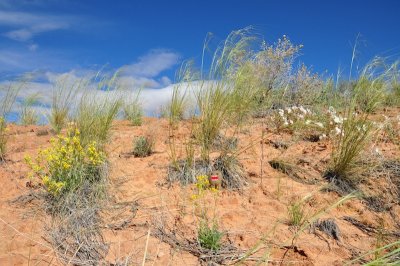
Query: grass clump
x=133, y=110
x=296, y=213
x=64, y=95
x=97, y=109
x=143, y=146
x=29, y=115
x=8, y=95
x=357, y=130
x=66, y=164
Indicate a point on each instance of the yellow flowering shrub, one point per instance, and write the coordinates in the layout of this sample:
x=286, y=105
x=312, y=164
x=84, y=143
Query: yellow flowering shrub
x=66, y=163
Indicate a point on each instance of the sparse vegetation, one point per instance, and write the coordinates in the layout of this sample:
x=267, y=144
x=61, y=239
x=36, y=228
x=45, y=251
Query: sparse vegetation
x=317, y=129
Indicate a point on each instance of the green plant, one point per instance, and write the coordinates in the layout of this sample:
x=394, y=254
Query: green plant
x=357, y=130
x=66, y=164
x=209, y=236
x=29, y=115
x=355, y=133
x=143, y=146
x=133, y=110
x=8, y=93
x=97, y=109
x=296, y=213
x=64, y=95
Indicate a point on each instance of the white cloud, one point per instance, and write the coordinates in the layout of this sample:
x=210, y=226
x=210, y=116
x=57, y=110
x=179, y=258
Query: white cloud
x=23, y=26
x=156, y=90
x=21, y=59
x=151, y=64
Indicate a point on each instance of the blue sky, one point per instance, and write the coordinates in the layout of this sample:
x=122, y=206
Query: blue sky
x=148, y=40
x=60, y=35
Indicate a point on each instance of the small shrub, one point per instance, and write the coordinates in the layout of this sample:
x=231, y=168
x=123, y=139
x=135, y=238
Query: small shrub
x=143, y=146
x=66, y=164
x=209, y=237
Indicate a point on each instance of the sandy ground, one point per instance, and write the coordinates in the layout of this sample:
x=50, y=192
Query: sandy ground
x=257, y=212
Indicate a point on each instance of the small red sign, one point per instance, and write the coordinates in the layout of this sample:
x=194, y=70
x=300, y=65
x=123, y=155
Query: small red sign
x=214, y=177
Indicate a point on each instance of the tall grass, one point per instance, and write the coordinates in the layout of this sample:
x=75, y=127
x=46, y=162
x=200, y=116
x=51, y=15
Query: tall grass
x=367, y=94
x=8, y=93
x=64, y=96
x=224, y=99
x=133, y=110
x=28, y=115
x=97, y=108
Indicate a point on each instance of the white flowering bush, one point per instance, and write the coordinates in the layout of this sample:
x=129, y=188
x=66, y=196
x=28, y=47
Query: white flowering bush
x=290, y=118
x=294, y=118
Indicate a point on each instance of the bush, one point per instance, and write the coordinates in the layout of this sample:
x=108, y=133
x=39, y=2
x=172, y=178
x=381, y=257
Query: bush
x=66, y=164
x=209, y=237
x=143, y=146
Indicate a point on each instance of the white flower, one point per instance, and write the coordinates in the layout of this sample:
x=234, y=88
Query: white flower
x=319, y=124
x=290, y=121
x=289, y=110
x=338, y=131
x=301, y=116
x=281, y=112
x=323, y=136
x=337, y=119
x=304, y=111
x=308, y=122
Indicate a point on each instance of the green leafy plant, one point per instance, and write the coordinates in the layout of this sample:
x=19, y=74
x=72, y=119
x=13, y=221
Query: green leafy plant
x=209, y=236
